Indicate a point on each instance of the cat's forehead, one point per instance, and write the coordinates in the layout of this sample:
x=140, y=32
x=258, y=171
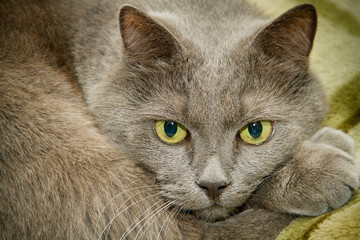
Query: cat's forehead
x=216, y=92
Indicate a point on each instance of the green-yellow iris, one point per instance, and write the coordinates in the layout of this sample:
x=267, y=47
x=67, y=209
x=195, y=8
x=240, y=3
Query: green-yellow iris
x=256, y=132
x=170, y=131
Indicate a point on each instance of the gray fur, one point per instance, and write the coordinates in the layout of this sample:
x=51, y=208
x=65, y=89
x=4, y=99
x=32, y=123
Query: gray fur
x=219, y=67
x=218, y=83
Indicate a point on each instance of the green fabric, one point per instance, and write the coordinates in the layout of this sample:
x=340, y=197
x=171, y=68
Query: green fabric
x=336, y=60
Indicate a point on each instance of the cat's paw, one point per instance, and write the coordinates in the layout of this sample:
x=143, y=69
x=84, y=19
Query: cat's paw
x=325, y=175
x=321, y=176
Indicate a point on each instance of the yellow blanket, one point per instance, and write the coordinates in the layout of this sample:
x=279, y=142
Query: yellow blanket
x=336, y=60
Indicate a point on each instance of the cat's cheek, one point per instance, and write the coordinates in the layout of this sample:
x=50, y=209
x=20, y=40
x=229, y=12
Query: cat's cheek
x=187, y=195
x=161, y=158
x=236, y=195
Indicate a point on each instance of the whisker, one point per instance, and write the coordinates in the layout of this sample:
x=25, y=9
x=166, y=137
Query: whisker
x=113, y=198
x=173, y=212
x=119, y=194
x=157, y=214
x=118, y=214
x=262, y=181
x=137, y=193
x=131, y=228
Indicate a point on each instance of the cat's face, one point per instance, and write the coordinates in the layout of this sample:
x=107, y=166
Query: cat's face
x=211, y=169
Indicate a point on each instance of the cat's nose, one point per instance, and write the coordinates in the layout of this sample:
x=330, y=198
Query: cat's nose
x=213, y=189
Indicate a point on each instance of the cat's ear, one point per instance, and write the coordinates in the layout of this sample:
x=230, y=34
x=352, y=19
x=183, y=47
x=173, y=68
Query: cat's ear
x=291, y=35
x=144, y=38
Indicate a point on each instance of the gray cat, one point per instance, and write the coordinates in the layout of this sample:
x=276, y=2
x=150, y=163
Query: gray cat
x=212, y=108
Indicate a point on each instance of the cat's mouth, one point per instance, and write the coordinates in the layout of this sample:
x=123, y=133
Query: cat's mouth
x=216, y=212
x=215, y=206
x=221, y=208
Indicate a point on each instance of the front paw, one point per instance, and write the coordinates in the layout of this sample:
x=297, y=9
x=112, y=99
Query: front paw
x=321, y=176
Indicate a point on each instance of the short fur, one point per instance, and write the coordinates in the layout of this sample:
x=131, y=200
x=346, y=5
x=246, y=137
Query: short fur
x=213, y=68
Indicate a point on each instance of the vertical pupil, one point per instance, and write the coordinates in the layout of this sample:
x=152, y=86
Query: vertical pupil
x=255, y=129
x=170, y=128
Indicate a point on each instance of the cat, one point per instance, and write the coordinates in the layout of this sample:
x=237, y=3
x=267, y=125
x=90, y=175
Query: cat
x=162, y=120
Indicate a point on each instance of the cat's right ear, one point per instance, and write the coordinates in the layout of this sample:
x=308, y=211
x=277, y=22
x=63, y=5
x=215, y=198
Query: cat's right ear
x=145, y=39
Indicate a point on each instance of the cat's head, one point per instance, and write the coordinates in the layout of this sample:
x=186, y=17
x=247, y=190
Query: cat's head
x=212, y=125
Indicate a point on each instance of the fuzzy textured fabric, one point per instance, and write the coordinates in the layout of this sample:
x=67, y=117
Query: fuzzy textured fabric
x=336, y=60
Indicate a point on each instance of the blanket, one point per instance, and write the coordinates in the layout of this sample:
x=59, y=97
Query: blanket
x=335, y=58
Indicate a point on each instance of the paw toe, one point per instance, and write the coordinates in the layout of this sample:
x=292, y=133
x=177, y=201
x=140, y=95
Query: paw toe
x=335, y=138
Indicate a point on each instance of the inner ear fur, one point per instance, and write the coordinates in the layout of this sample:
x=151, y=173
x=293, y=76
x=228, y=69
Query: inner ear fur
x=143, y=37
x=291, y=35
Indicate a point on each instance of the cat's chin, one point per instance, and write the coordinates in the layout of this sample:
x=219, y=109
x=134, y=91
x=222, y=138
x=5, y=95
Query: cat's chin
x=215, y=213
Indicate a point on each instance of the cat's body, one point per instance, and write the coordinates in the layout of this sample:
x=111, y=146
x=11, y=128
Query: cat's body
x=58, y=171
x=214, y=68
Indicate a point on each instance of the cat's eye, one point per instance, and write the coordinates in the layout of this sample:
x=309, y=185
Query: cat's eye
x=170, y=131
x=256, y=132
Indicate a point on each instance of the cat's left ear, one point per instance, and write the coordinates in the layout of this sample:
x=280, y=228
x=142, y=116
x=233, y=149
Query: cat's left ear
x=291, y=35
x=144, y=38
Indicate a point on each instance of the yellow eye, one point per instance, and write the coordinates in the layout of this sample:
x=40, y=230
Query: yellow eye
x=257, y=132
x=170, y=131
